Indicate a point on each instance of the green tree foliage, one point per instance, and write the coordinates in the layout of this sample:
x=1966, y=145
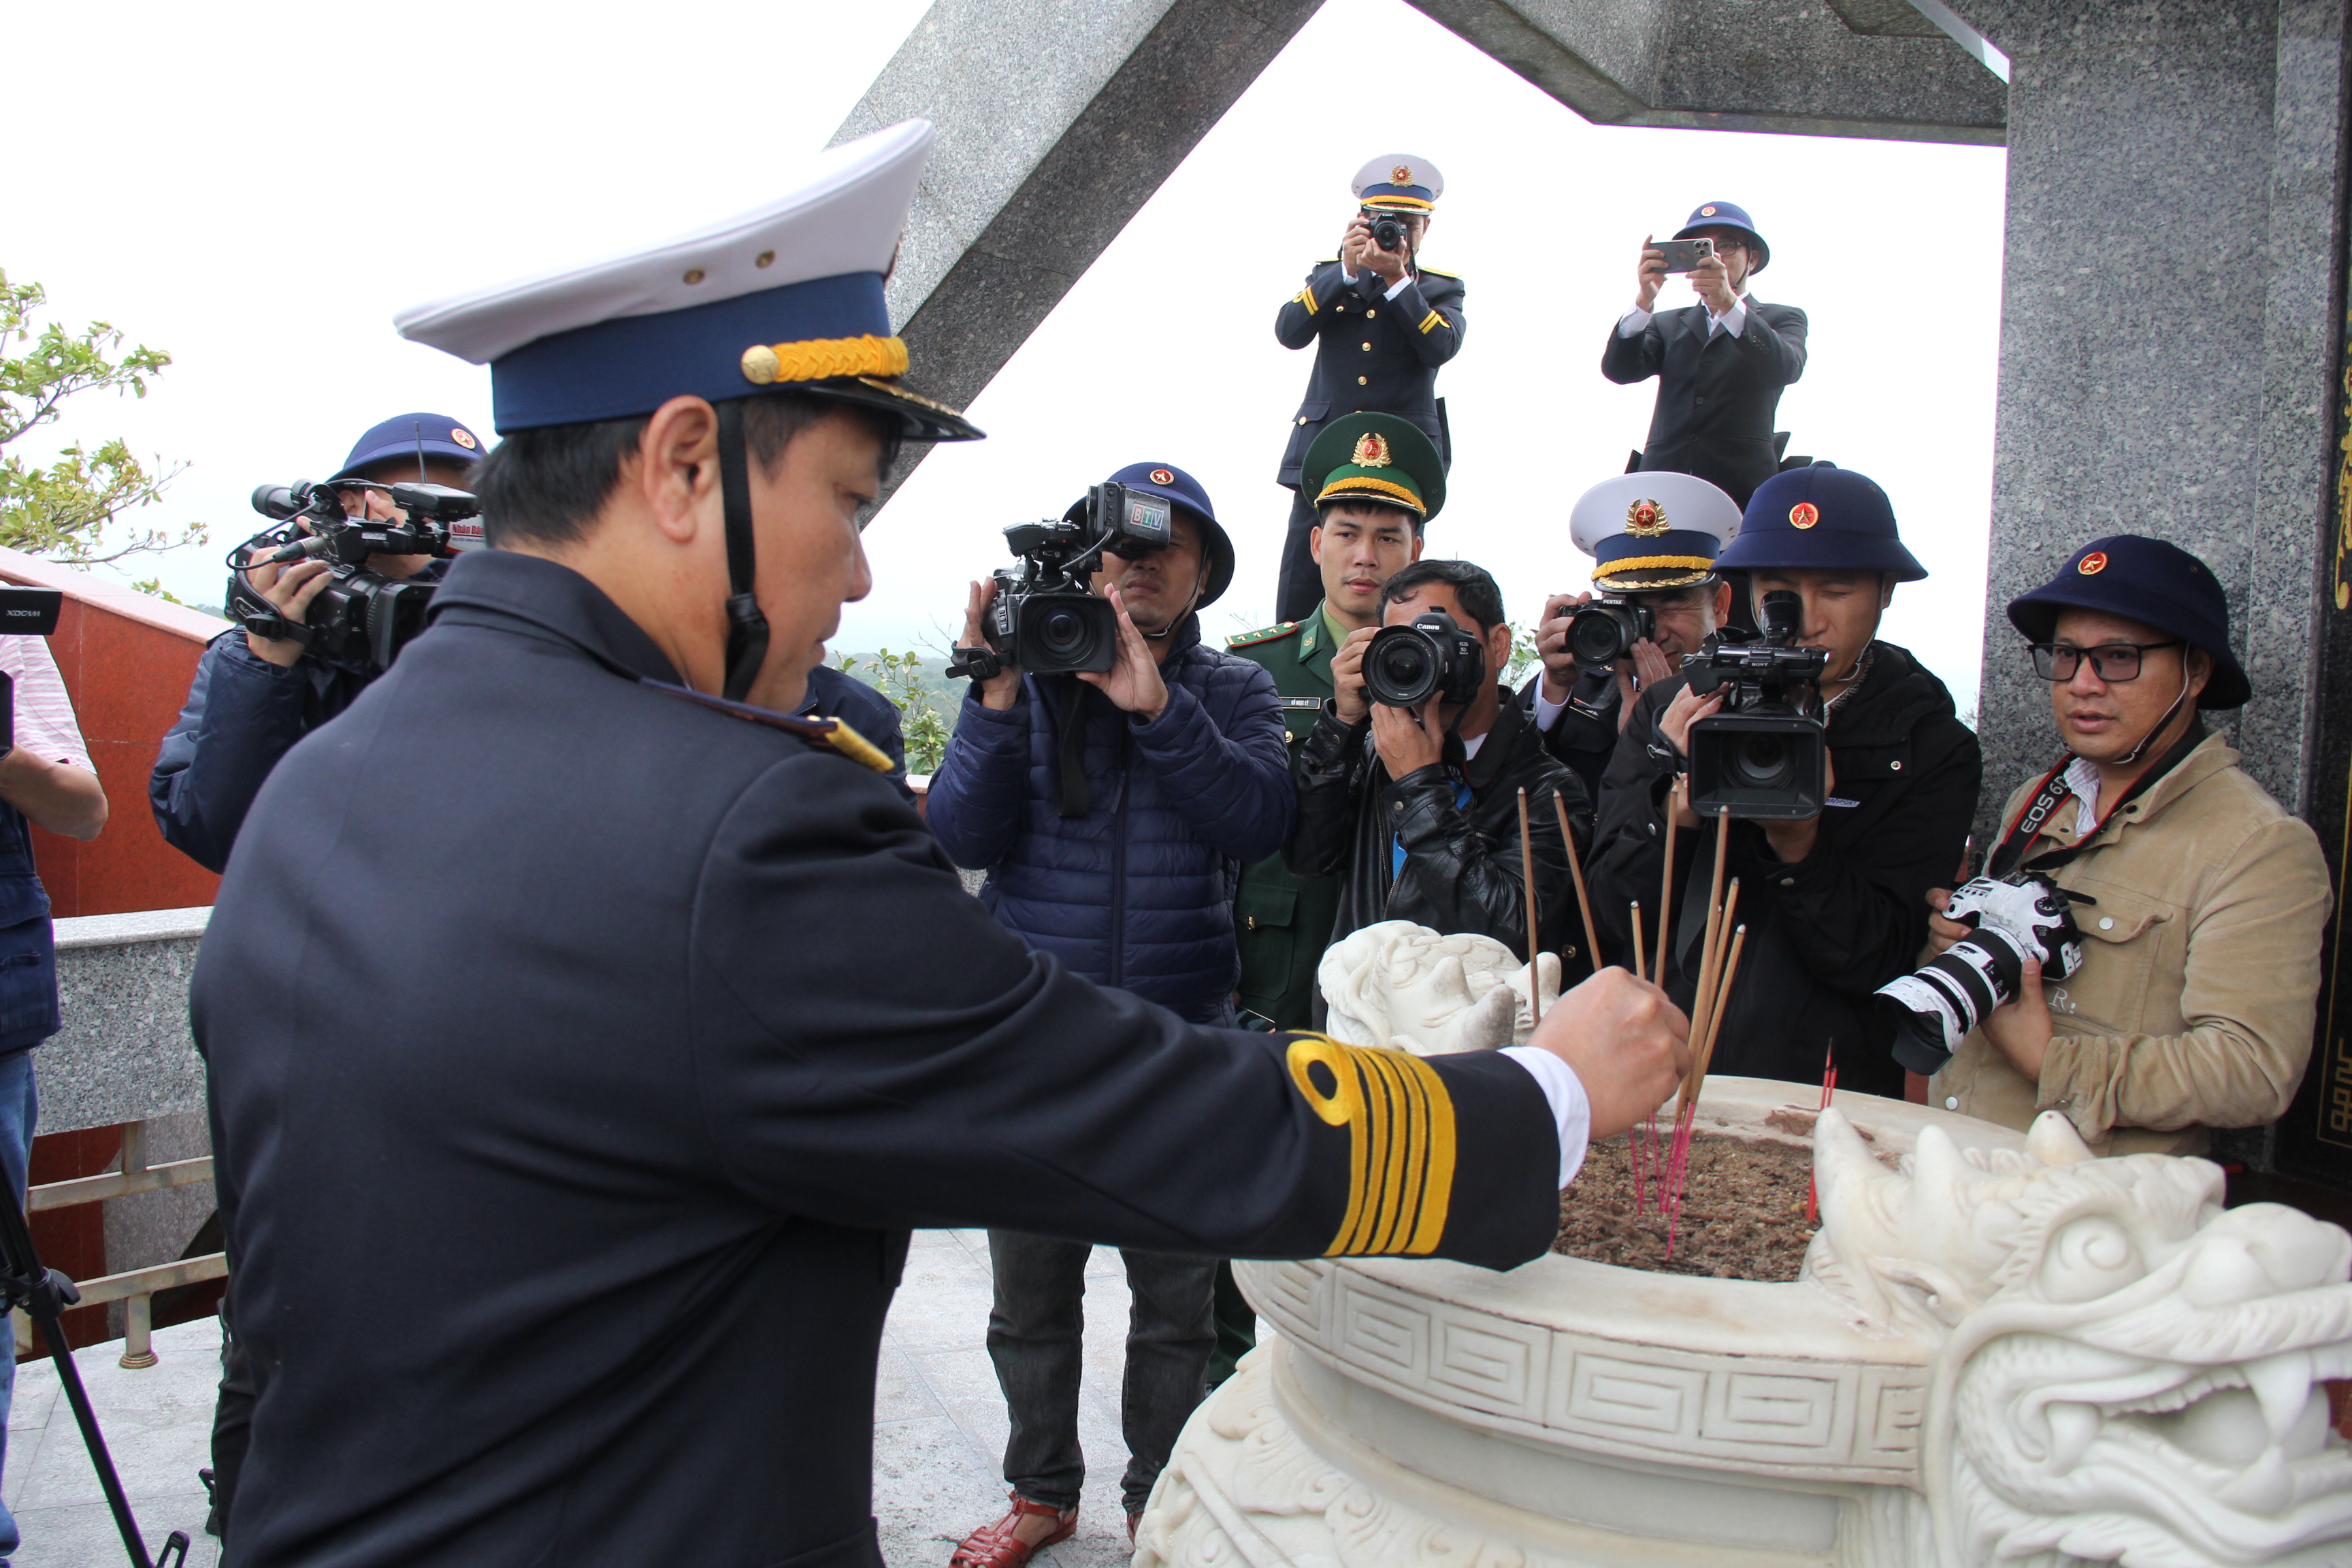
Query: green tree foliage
x=63, y=510
x=1523, y=654
x=906, y=682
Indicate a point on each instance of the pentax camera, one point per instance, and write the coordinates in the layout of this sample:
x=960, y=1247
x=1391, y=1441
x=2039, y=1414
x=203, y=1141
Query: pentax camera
x=1045, y=617
x=360, y=618
x=1761, y=756
x=1389, y=230
x=1605, y=631
x=2017, y=918
x=1428, y=657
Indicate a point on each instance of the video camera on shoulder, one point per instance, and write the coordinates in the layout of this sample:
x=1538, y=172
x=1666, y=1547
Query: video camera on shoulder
x=1045, y=617
x=1427, y=656
x=359, y=616
x=1762, y=754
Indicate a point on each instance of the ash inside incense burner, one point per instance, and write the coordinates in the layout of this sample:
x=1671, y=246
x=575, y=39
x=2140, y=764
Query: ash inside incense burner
x=1743, y=1210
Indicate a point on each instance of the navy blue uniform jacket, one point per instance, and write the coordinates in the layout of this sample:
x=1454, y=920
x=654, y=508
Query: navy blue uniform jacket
x=1372, y=354
x=1716, y=397
x=568, y=1145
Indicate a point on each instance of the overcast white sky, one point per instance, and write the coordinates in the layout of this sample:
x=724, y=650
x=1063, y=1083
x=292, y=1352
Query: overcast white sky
x=268, y=183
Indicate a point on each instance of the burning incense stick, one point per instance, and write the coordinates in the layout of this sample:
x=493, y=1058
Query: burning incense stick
x=1812, y=1185
x=1667, y=889
x=1576, y=870
x=1641, y=960
x=1528, y=877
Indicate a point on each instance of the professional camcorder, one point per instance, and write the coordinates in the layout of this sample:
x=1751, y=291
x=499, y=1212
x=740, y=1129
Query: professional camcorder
x=359, y=616
x=2017, y=918
x=1428, y=657
x=1388, y=231
x=1045, y=618
x=1761, y=754
x=1605, y=631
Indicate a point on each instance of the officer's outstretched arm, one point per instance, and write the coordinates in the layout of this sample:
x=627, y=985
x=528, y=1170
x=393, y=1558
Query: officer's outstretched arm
x=872, y=1049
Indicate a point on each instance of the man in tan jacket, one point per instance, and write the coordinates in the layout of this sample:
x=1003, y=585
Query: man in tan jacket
x=2199, y=898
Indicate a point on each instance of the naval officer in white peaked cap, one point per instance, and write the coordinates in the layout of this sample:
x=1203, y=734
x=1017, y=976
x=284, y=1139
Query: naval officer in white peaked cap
x=568, y=1151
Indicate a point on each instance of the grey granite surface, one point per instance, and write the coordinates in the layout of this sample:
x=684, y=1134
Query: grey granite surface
x=2167, y=334
x=125, y=1053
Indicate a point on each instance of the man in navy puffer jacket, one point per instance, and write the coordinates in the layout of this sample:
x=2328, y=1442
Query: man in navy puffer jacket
x=1112, y=814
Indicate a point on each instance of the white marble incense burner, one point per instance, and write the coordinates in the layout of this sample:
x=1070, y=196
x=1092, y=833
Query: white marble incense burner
x=2007, y=1351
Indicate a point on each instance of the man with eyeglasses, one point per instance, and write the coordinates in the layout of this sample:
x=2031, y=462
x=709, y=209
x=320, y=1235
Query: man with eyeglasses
x=2200, y=898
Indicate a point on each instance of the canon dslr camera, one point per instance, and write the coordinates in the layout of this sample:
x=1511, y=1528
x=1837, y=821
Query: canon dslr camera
x=359, y=616
x=1045, y=617
x=1762, y=754
x=1427, y=656
x=2021, y=917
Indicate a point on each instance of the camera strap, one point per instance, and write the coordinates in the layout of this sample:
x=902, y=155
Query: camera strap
x=2054, y=791
x=747, y=628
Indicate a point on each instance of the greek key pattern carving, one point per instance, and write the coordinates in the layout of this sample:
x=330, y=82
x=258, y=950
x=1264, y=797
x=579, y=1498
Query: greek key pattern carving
x=1775, y=1414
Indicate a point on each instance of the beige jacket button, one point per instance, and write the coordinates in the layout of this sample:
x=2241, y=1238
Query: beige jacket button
x=1951, y=1102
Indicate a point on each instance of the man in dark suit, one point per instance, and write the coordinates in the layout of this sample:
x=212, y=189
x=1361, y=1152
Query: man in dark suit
x=1381, y=323
x=1721, y=364
x=568, y=1151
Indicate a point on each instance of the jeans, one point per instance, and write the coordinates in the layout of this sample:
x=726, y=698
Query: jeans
x=1034, y=1337
x=20, y=1109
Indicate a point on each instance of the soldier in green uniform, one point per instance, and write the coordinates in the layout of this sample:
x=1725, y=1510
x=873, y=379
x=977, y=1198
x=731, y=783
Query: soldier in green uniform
x=1376, y=479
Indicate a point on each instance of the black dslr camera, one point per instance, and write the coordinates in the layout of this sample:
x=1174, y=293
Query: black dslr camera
x=1389, y=230
x=1760, y=755
x=1428, y=657
x=359, y=616
x=1605, y=631
x=1045, y=618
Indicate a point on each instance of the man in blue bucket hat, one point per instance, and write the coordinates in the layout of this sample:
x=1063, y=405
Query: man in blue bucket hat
x=1833, y=904
x=1721, y=364
x=2201, y=899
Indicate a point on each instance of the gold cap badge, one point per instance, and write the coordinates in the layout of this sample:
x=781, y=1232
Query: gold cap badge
x=463, y=436
x=1646, y=520
x=1402, y=174
x=1371, y=451
x=2094, y=563
x=1804, y=514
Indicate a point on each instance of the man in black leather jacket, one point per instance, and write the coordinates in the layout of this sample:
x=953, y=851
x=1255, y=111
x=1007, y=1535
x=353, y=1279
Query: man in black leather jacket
x=1419, y=809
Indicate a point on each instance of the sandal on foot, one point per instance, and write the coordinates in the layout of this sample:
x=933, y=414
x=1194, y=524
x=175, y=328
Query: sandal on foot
x=995, y=1545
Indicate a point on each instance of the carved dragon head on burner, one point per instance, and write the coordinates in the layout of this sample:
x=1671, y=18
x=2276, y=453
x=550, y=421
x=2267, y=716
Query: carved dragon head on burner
x=2126, y=1372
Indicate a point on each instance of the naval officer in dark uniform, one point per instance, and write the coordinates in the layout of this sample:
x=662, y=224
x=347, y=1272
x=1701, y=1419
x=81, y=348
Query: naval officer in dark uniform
x=567, y=1152
x=1381, y=323
x=1365, y=532
x=1721, y=364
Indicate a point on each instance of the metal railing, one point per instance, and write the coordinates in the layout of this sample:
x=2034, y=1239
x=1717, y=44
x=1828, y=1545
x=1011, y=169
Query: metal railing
x=134, y=1287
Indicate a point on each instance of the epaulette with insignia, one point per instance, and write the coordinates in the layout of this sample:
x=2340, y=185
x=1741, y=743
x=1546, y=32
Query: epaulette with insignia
x=1245, y=639
x=825, y=734
x=1433, y=272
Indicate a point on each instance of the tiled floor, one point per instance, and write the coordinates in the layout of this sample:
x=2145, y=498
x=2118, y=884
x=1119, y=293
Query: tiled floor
x=938, y=1427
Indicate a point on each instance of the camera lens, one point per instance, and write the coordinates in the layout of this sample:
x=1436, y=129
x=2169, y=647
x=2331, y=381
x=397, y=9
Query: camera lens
x=1061, y=633
x=1596, y=637
x=1763, y=761
x=1400, y=668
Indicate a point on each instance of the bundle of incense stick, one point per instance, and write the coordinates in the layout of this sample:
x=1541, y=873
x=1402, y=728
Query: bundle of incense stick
x=1828, y=1090
x=1528, y=881
x=1719, y=951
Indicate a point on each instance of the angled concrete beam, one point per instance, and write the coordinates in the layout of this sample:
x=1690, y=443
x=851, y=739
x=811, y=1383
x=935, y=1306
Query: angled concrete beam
x=1058, y=119
x=1707, y=65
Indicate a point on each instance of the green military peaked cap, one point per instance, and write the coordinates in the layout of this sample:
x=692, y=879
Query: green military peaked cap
x=1375, y=457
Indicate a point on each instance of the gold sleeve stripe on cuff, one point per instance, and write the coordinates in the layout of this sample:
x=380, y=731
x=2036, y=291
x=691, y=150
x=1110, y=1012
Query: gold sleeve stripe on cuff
x=1432, y=322
x=1400, y=1142
x=1307, y=298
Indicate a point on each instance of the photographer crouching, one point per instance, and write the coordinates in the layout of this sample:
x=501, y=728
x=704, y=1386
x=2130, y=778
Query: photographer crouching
x=1409, y=783
x=255, y=692
x=1112, y=772
x=2197, y=900
x=1849, y=781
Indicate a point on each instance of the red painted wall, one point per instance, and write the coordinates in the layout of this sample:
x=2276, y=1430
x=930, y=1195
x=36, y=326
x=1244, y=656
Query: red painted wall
x=127, y=660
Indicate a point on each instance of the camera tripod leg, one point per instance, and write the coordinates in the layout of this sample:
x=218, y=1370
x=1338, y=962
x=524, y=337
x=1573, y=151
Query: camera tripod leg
x=44, y=1294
